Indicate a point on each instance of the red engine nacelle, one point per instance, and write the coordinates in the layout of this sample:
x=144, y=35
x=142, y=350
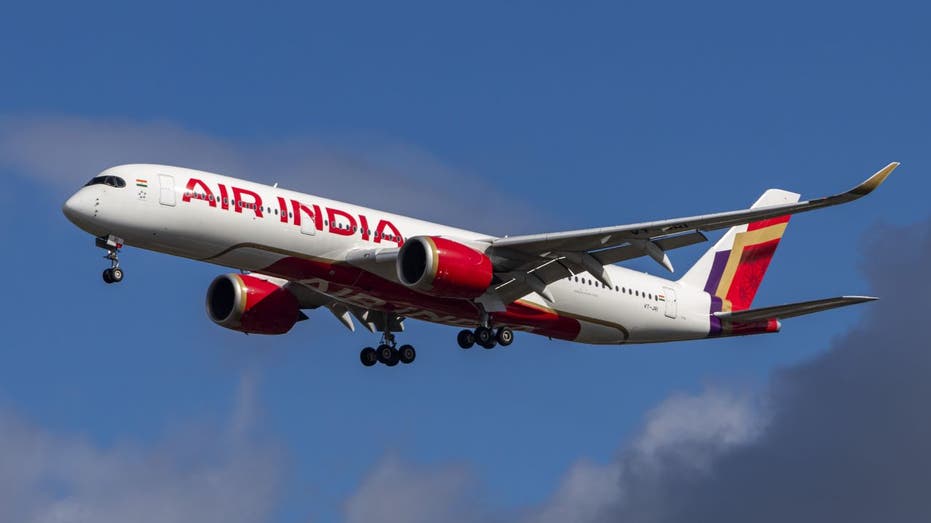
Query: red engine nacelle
x=442, y=267
x=249, y=304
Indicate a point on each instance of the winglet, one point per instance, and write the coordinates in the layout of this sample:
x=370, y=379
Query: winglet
x=874, y=181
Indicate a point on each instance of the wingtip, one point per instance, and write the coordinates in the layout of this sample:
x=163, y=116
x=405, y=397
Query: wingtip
x=874, y=181
x=860, y=299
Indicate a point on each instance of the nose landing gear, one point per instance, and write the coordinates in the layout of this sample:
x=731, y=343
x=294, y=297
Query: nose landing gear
x=112, y=244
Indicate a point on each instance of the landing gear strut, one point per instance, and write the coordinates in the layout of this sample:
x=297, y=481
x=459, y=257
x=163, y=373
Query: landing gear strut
x=387, y=353
x=112, y=244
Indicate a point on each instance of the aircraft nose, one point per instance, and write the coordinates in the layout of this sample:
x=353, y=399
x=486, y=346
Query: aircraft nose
x=78, y=207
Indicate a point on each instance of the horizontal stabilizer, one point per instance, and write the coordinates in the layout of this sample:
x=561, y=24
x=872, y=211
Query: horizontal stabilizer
x=779, y=312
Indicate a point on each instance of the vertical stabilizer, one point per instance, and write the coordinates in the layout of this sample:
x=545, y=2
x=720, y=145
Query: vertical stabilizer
x=733, y=269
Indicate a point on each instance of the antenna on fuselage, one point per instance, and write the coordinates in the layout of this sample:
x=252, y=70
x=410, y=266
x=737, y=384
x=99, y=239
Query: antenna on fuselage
x=275, y=185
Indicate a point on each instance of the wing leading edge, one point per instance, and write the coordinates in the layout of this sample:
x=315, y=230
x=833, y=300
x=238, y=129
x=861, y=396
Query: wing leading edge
x=529, y=263
x=601, y=238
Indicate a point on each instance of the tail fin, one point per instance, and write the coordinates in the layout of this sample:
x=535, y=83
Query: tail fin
x=733, y=269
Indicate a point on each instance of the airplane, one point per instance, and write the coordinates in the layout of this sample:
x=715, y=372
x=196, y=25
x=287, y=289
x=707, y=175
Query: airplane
x=297, y=252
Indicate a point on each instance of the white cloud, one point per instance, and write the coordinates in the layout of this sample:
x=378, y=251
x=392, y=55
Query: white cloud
x=206, y=475
x=63, y=152
x=397, y=491
x=692, y=428
x=586, y=490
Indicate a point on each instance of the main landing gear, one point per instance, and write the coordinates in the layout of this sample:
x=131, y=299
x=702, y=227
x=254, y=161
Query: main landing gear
x=485, y=337
x=387, y=353
x=112, y=244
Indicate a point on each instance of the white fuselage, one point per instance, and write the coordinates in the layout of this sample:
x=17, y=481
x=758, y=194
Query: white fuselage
x=306, y=238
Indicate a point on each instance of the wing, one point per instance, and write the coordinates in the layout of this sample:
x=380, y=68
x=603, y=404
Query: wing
x=529, y=263
x=373, y=320
x=791, y=310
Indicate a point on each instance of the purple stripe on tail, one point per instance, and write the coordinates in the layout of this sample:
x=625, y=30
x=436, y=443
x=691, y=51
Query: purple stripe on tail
x=717, y=270
x=716, y=305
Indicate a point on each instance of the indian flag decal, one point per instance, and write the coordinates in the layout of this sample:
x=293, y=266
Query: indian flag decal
x=142, y=183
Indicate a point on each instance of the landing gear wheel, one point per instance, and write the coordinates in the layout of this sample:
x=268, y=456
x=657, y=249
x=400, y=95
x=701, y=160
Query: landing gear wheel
x=368, y=356
x=116, y=274
x=485, y=337
x=106, y=276
x=395, y=358
x=466, y=339
x=385, y=354
x=505, y=336
x=407, y=354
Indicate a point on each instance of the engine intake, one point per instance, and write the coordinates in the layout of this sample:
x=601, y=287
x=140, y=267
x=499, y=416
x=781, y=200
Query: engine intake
x=249, y=304
x=442, y=267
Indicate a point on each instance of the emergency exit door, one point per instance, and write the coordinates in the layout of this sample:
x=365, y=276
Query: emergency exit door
x=672, y=305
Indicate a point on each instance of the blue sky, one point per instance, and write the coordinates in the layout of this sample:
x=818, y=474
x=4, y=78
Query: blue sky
x=526, y=117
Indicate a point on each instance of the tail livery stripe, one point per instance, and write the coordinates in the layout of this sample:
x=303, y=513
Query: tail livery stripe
x=736, y=273
x=762, y=224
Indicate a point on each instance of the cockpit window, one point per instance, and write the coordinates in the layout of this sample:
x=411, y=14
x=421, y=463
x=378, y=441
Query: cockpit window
x=112, y=181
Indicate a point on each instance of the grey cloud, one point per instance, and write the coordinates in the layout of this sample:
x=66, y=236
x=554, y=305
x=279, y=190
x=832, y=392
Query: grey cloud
x=850, y=433
x=682, y=436
x=844, y=437
x=63, y=152
x=207, y=475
